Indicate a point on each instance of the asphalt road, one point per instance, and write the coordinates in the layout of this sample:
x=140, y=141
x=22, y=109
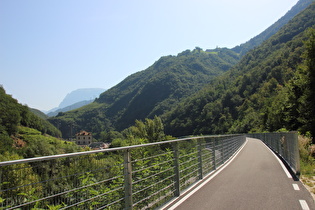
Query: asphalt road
x=253, y=180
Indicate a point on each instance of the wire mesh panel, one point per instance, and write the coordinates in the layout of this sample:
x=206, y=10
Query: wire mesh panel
x=208, y=165
x=64, y=183
x=188, y=163
x=285, y=144
x=152, y=175
x=135, y=177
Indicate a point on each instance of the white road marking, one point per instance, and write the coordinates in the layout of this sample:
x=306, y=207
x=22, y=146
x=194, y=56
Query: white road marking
x=304, y=205
x=206, y=181
x=296, y=187
x=284, y=168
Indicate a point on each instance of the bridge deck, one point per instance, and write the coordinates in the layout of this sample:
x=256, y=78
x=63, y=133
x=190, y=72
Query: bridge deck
x=253, y=180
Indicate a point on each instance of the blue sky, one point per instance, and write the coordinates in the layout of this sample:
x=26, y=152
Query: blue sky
x=50, y=48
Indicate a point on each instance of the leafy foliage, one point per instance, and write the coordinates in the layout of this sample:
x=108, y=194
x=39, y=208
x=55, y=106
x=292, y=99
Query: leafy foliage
x=23, y=134
x=149, y=131
x=36, y=145
x=39, y=113
x=298, y=105
x=307, y=155
x=152, y=130
x=13, y=114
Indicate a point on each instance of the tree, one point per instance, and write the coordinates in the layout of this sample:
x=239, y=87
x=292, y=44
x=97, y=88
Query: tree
x=310, y=79
x=155, y=129
x=151, y=130
x=302, y=98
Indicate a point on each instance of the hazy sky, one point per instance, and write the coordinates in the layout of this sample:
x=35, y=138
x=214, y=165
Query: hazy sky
x=49, y=48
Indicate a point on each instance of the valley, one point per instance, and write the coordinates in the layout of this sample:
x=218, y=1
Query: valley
x=264, y=85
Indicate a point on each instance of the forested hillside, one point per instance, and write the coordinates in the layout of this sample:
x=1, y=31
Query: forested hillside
x=256, y=95
x=148, y=93
x=13, y=114
x=25, y=135
x=266, y=34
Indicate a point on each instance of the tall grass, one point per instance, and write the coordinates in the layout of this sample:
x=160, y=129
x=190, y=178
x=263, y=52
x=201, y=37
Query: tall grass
x=307, y=156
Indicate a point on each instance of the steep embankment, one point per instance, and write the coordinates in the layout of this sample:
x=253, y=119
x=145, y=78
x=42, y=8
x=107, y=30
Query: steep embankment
x=242, y=99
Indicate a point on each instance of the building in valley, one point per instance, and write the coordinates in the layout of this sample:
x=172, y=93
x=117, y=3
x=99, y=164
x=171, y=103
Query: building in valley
x=84, y=138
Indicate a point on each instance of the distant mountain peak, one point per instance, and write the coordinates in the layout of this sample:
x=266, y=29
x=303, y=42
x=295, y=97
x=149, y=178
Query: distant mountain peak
x=78, y=95
x=76, y=99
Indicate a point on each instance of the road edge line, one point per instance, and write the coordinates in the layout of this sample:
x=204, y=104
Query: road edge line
x=204, y=182
x=286, y=171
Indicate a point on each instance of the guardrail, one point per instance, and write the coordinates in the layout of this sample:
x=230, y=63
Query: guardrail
x=140, y=176
x=285, y=145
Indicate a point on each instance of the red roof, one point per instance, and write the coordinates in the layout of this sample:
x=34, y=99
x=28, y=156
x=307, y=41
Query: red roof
x=84, y=133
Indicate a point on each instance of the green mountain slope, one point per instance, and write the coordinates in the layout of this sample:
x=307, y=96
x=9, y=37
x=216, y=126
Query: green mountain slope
x=39, y=113
x=274, y=28
x=13, y=114
x=163, y=85
x=242, y=99
x=25, y=135
x=148, y=93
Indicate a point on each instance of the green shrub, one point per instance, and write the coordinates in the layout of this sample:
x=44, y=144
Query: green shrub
x=307, y=162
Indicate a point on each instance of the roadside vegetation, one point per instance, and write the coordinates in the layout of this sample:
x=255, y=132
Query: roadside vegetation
x=196, y=92
x=307, y=163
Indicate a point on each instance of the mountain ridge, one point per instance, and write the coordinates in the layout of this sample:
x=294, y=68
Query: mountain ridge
x=147, y=93
x=242, y=49
x=81, y=94
x=153, y=91
x=70, y=107
x=247, y=98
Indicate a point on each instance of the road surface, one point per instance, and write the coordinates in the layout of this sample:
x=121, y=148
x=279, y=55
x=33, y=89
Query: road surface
x=253, y=180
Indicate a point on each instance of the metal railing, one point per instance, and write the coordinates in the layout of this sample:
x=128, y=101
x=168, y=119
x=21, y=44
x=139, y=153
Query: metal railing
x=134, y=177
x=285, y=145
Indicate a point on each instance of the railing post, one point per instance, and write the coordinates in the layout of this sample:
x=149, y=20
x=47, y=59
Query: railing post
x=200, y=158
x=213, y=153
x=222, y=149
x=128, y=179
x=176, y=169
x=278, y=146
